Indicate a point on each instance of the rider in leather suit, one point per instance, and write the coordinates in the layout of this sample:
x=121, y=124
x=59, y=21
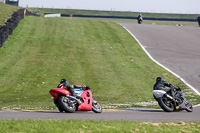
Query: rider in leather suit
x=65, y=83
x=163, y=85
x=139, y=18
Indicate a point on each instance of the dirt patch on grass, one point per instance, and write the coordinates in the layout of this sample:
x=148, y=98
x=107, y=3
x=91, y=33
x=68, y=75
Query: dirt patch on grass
x=168, y=124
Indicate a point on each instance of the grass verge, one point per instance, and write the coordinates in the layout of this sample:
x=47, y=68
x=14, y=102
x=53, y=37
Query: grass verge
x=89, y=126
x=6, y=11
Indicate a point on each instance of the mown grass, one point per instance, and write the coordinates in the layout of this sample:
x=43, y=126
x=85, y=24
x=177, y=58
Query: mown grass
x=41, y=11
x=90, y=126
x=100, y=54
x=6, y=11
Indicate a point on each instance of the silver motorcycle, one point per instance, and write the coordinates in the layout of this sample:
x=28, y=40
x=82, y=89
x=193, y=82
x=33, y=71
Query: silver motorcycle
x=171, y=104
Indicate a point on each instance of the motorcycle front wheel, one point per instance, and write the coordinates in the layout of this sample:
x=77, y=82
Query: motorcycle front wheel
x=66, y=104
x=96, y=107
x=56, y=103
x=166, y=104
x=188, y=106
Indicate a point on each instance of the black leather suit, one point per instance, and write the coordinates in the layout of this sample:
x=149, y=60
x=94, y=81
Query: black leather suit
x=163, y=85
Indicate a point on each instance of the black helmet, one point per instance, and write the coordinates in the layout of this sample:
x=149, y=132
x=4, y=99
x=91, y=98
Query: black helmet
x=159, y=79
x=65, y=82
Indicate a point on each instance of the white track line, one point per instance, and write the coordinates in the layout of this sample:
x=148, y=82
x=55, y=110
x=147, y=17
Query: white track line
x=161, y=64
x=198, y=105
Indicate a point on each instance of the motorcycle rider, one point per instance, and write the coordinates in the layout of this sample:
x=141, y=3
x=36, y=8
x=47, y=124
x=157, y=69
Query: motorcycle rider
x=198, y=19
x=163, y=85
x=139, y=18
x=65, y=83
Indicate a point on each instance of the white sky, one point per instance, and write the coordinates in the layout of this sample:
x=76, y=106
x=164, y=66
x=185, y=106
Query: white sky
x=160, y=6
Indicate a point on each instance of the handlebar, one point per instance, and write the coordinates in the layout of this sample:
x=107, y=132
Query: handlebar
x=173, y=87
x=85, y=88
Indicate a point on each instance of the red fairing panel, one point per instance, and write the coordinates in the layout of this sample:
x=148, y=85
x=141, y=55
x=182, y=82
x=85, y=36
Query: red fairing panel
x=57, y=92
x=87, y=97
x=78, y=86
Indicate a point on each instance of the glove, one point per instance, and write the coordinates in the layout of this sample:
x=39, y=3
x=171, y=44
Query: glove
x=71, y=86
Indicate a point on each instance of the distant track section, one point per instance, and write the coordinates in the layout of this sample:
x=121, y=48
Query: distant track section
x=124, y=17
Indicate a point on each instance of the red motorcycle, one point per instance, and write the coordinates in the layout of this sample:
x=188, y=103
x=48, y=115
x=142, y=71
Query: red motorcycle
x=65, y=102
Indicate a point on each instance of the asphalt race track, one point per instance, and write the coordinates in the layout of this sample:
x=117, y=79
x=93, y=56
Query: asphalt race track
x=177, y=48
x=132, y=114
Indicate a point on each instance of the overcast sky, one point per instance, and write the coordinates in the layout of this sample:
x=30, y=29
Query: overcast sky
x=160, y=6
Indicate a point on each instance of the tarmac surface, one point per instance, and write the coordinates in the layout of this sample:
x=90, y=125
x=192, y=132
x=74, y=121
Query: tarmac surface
x=132, y=114
x=177, y=48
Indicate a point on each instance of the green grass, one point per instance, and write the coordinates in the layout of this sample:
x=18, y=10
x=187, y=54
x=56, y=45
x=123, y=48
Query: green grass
x=41, y=11
x=6, y=11
x=90, y=126
x=100, y=54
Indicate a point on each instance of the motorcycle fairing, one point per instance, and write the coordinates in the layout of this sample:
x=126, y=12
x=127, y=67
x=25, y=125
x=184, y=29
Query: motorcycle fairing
x=57, y=92
x=158, y=93
x=78, y=86
x=87, y=104
x=77, y=91
x=182, y=105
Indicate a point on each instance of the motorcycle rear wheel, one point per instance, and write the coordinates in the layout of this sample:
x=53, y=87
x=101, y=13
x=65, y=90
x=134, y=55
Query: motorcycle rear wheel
x=188, y=106
x=96, y=107
x=66, y=105
x=166, y=104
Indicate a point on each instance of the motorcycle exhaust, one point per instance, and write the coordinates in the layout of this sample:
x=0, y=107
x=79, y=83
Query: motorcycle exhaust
x=168, y=96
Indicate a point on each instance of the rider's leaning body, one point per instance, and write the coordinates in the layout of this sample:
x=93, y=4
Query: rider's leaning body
x=165, y=86
x=65, y=84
